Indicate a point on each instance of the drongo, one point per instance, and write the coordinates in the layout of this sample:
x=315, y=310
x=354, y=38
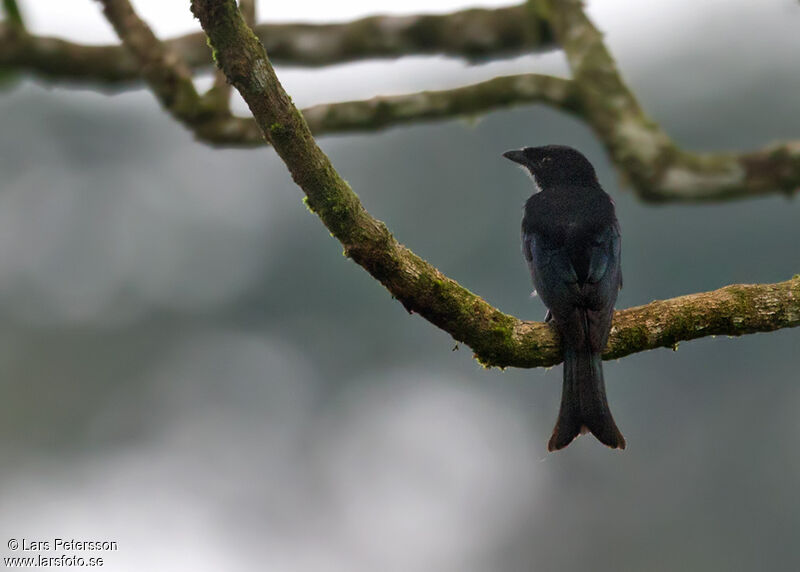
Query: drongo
x=571, y=242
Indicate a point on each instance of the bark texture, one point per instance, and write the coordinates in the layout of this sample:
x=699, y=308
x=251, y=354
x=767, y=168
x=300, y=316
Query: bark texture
x=473, y=34
x=657, y=169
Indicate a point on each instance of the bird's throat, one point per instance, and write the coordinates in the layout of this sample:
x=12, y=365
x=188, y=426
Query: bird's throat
x=536, y=187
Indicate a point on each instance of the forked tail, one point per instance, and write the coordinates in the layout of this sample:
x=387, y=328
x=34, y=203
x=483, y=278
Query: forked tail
x=583, y=402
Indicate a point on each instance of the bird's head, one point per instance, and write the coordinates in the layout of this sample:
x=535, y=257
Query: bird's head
x=554, y=165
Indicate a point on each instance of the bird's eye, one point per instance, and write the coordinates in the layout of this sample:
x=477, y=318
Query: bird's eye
x=545, y=160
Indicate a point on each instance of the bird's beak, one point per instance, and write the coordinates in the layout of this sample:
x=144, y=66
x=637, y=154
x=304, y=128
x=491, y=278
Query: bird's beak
x=515, y=155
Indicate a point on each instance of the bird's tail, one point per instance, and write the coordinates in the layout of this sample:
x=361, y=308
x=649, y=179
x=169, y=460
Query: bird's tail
x=584, y=406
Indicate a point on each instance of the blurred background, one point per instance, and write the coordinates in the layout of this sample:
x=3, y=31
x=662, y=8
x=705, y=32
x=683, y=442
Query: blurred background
x=190, y=367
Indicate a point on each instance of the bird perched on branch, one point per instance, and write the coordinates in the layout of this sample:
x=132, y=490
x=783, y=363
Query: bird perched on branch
x=571, y=241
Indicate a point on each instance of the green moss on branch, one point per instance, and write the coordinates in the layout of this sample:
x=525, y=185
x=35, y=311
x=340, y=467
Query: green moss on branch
x=474, y=34
x=14, y=15
x=657, y=169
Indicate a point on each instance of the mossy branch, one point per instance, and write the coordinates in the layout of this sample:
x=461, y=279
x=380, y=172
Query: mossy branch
x=248, y=8
x=388, y=111
x=165, y=72
x=496, y=338
x=170, y=79
x=219, y=95
x=657, y=169
x=475, y=34
x=14, y=15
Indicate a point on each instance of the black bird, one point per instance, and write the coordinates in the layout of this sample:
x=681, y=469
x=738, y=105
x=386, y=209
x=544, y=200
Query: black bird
x=571, y=241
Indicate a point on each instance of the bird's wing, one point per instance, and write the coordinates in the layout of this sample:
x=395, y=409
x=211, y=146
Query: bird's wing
x=552, y=272
x=604, y=256
x=553, y=260
x=604, y=279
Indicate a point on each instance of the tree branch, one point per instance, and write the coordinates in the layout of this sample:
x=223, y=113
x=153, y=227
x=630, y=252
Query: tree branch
x=170, y=79
x=381, y=112
x=12, y=28
x=496, y=338
x=165, y=72
x=472, y=34
x=220, y=93
x=248, y=8
x=730, y=311
x=656, y=167
x=225, y=130
x=14, y=15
